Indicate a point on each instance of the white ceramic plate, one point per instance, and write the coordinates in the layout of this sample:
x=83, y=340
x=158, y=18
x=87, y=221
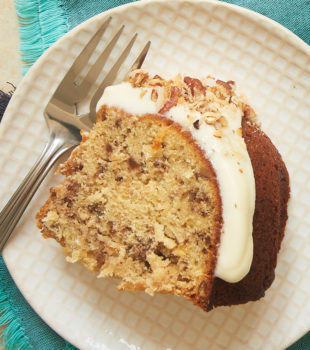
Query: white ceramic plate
x=271, y=66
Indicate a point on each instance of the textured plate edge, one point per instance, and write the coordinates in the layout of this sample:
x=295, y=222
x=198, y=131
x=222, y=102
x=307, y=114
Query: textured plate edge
x=294, y=39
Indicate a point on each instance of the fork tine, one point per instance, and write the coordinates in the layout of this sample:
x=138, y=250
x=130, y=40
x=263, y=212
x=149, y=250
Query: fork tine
x=95, y=70
x=88, y=119
x=140, y=59
x=81, y=60
x=110, y=77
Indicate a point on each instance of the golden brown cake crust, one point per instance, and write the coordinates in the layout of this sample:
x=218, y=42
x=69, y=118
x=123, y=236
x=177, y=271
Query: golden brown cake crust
x=270, y=216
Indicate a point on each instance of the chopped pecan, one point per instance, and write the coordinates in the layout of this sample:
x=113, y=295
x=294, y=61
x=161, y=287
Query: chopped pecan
x=196, y=124
x=231, y=82
x=247, y=110
x=195, y=85
x=108, y=148
x=154, y=95
x=156, y=76
x=138, y=77
x=158, y=164
x=101, y=169
x=223, y=121
x=218, y=133
x=132, y=163
x=96, y=208
x=111, y=228
x=156, y=81
x=73, y=188
x=226, y=84
x=143, y=92
x=175, y=93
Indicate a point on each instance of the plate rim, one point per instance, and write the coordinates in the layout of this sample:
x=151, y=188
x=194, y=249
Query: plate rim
x=255, y=16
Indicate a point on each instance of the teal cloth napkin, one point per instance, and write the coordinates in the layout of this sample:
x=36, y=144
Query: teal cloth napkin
x=42, y=22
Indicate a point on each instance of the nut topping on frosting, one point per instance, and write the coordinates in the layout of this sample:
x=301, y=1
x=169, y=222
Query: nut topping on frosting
x=207, y=96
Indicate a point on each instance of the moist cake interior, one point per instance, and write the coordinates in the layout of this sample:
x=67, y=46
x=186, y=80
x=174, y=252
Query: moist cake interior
x=141, y=203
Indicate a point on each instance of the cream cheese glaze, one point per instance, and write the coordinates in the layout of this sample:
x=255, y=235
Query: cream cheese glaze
x=231, y=162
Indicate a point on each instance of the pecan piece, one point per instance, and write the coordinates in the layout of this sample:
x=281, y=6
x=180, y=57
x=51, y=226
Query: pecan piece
x=154, y=95
x=138, y=77
x=218, y=133
x=132, y=163
x=225, y=84
x=196, y=124
x=195, y=85
x=175, y=93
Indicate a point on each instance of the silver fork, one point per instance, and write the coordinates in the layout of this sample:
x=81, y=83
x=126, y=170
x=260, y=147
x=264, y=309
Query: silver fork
x=64, y=122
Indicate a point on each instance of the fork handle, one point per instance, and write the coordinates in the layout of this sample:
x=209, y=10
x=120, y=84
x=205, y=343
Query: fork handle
x=14, y=209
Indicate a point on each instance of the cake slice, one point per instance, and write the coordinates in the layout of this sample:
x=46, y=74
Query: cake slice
x=140, y=202
x=161, y=193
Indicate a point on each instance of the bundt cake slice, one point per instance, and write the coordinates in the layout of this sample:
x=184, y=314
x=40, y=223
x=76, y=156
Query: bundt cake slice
x=174, y=190
x=139, y=202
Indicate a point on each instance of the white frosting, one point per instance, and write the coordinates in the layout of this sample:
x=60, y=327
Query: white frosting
x=231, y=163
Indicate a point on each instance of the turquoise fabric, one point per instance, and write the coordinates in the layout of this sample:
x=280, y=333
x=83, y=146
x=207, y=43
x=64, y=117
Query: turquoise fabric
x=42, y=22
x=80, y=10
x=293, y=14
x=25, y=330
